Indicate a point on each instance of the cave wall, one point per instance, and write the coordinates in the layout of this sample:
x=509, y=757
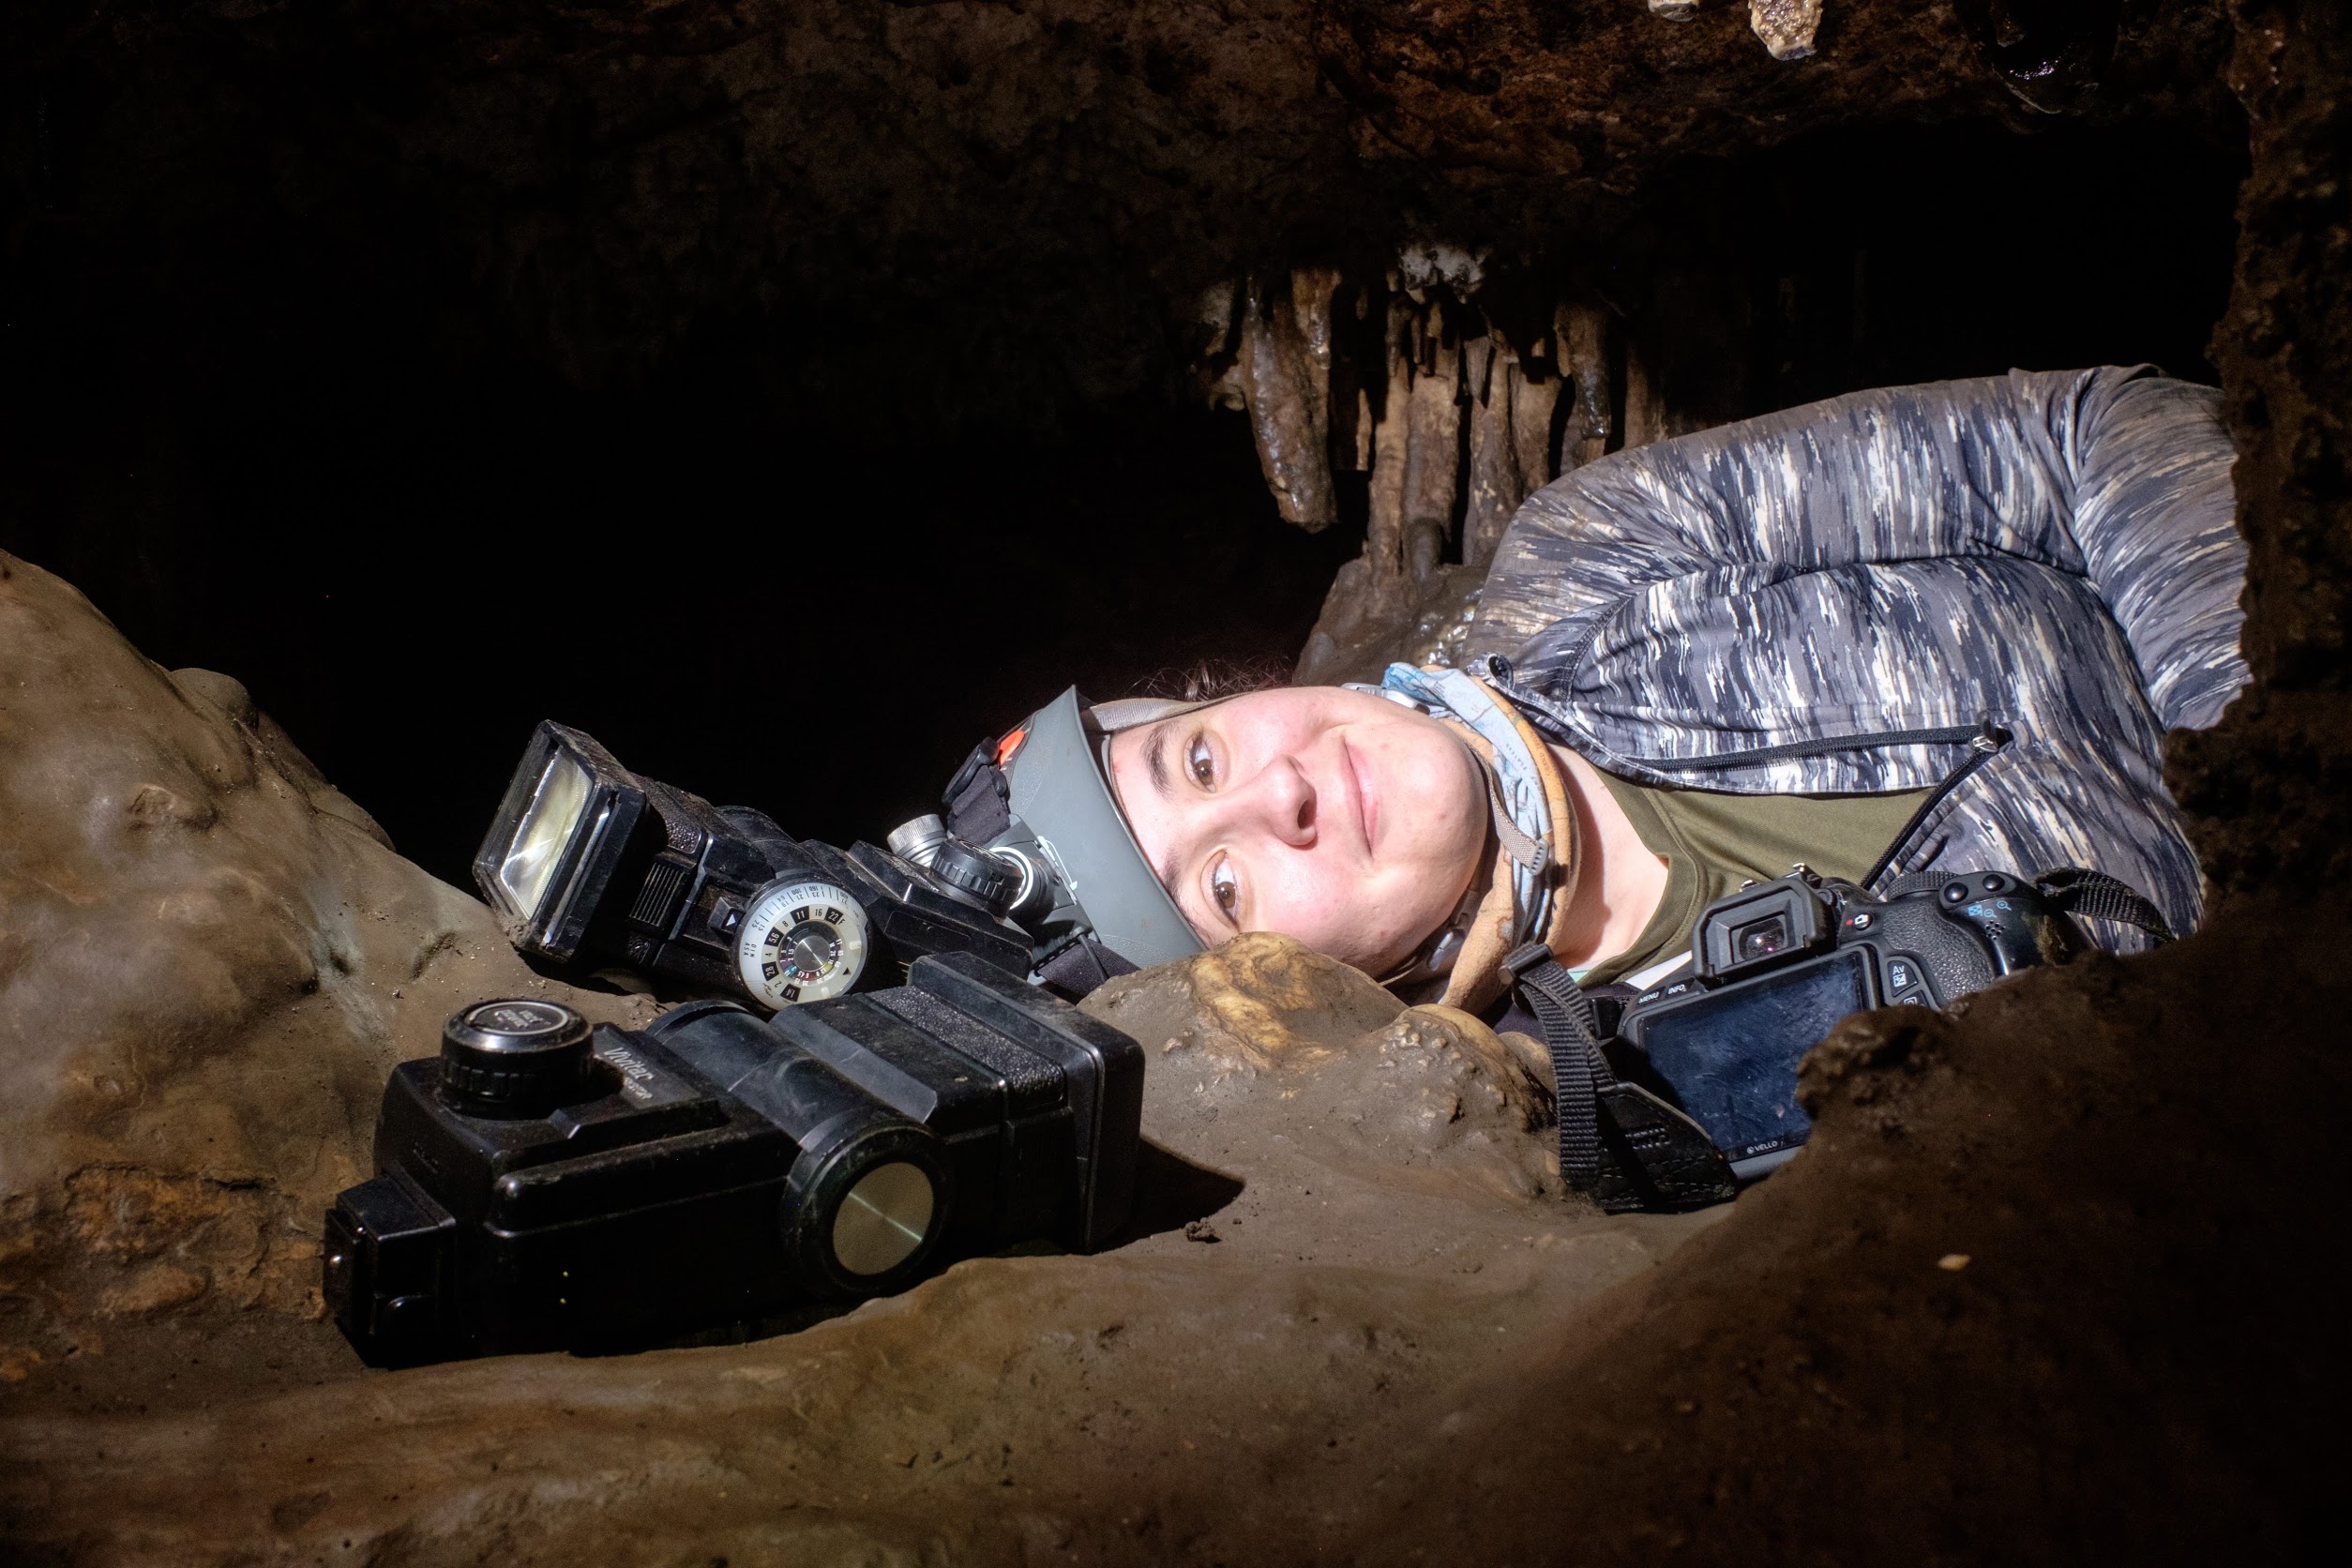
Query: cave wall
x=2266, y=788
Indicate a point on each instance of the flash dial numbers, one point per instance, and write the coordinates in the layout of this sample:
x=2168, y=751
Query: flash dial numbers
x=801, y=942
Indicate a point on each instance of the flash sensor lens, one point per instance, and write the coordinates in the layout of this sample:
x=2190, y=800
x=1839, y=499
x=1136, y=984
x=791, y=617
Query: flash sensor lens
x=538, y=843
x=884, y=1218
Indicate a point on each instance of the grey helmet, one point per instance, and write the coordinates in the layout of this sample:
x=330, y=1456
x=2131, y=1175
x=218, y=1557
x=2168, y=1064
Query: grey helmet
x=1041, y=800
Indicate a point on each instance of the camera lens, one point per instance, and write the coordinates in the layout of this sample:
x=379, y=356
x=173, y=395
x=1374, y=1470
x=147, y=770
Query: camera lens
x=1760, y=939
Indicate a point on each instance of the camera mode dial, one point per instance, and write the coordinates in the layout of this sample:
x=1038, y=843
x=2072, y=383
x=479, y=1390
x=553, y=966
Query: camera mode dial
x=514, y=1058
x=803, y=940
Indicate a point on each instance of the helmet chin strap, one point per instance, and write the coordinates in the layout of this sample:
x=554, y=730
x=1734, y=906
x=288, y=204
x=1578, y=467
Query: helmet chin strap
x=1436, y=957
x=1433, y=960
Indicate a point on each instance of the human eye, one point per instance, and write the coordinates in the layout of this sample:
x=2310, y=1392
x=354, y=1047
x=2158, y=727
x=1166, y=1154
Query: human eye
x=1225, y=891
x=1199, y=763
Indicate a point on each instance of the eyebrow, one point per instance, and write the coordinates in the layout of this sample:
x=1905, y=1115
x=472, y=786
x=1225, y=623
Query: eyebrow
x=1155, y=764
x=1155, y=759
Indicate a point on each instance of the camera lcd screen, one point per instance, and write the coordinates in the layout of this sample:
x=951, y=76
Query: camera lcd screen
x=1731, y=1055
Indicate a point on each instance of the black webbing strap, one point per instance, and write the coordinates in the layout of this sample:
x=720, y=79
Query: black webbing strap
x=2101, y=896
x=979, y=803
x=1564, y=1014
x=1620, y=1145
x=1081, y=966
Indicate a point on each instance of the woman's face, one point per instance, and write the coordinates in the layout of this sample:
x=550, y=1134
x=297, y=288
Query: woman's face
x=1340, y=818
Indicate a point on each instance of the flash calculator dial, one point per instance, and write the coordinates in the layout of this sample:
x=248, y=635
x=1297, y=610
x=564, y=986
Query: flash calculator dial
x=801, y=942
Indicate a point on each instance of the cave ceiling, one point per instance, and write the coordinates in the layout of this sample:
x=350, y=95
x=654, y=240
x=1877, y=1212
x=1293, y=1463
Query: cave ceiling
x=985, y=211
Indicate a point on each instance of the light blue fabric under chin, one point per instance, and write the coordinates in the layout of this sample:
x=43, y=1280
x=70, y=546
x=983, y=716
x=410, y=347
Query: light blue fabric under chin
x=1459, y=696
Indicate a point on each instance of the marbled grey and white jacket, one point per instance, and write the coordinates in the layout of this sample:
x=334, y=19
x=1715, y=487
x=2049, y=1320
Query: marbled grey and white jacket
x=2051, y=554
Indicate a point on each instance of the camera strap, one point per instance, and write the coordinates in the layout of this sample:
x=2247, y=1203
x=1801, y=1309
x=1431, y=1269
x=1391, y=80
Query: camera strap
x=2097, y=895
x=1620, y=1145
x=1079, y=967
x=977, y=804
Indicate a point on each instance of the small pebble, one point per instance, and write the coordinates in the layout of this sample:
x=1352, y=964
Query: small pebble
x=1953, y=1262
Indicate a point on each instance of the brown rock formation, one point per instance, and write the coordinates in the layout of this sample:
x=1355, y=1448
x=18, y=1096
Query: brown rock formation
x=209, y=974
x=209, y=958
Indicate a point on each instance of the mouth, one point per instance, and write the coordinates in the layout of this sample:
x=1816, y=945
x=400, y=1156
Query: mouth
x=1359, y=787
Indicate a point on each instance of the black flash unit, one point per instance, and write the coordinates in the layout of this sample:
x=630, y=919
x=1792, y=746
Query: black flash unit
x=586, y=859
x=547, y=1184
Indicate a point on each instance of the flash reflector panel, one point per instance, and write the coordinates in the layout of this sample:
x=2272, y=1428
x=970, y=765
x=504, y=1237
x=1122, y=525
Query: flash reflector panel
x=539, y=843
x=559, y=835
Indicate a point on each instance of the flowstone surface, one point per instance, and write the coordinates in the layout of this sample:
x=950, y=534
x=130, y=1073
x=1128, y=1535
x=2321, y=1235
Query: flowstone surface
x=213, y=959
x=209, y=958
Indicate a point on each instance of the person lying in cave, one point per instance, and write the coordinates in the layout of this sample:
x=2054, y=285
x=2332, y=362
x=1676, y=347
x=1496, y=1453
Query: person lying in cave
x=1921, y=628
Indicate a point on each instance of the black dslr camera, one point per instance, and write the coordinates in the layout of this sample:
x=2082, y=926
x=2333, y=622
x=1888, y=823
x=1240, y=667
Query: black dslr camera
x=1780, y=963
x=546, y=1186
x=586, y=859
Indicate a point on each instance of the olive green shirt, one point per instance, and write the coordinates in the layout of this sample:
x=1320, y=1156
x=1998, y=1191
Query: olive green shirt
x=1711, y=843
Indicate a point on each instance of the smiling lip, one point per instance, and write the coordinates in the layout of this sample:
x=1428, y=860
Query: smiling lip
x=1368, y=811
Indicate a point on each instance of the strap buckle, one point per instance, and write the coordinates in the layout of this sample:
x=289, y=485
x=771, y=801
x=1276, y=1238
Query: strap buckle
x=1525, y=958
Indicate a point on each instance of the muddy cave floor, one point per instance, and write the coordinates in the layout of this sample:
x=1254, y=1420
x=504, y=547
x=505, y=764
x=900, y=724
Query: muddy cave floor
x=1354, y=1319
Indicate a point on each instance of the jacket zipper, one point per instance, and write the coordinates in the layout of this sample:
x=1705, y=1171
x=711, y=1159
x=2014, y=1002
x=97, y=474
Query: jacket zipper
x=1983, y=748
x=1984, y=741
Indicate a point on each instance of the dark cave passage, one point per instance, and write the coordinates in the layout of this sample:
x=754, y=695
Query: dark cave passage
x=312, y=454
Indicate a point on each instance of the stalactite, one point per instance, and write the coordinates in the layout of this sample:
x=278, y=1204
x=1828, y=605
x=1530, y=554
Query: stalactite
x=1533, y=406
x=1520, y=412
x=1217, y=363
x=1433, y=436
x=1497, y=486
x=1787, y=26
x=1313, y=290
x=1384, y=529
x=1582, y=333
x=1645, y=409
x=1284, y=372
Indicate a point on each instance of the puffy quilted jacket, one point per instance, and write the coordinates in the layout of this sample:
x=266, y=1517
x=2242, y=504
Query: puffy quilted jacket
x=1784, y=605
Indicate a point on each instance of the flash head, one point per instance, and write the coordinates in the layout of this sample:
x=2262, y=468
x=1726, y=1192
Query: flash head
x=558, y=837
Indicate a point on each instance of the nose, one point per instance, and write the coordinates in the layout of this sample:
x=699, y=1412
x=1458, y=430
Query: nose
x=1280, y=802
